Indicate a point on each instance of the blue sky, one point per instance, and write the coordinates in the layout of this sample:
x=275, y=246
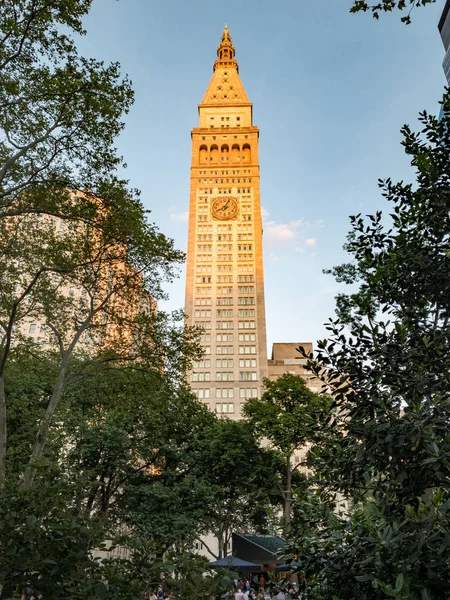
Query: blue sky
x=330, y=92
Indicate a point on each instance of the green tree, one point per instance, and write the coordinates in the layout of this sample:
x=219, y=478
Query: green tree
x=288, y=415
x=90, y=292
x=60, y=113
x=387, y=365
x=237, y=480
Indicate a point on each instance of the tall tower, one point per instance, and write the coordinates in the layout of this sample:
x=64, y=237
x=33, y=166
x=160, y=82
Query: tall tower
x=225, y=279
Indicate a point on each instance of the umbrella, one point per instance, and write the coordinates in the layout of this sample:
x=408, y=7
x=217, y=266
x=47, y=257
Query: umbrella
x=233, y=563
x=289, y=567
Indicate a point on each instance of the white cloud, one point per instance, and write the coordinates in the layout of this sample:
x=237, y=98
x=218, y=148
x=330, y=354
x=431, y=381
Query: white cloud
x=264, y=212
x=310, y=242
x=183, y=216
x=282, y=232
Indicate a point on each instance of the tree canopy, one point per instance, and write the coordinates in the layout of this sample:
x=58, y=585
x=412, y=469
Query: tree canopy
x=387, y=366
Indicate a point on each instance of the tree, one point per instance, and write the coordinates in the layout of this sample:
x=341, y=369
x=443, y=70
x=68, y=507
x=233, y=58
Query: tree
x=387, y=365
x=389, y=6
x=288, y=415
x=89, y=291
x=237, y=479
x=60, y=113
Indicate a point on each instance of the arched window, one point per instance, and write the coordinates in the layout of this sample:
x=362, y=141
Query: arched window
x=235, y=152
x=203, y=154
x=246, y=152
x=214, y=153
x=225, y=152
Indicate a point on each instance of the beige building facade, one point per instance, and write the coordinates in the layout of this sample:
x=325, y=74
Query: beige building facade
x=286, y=359
x=225, y=278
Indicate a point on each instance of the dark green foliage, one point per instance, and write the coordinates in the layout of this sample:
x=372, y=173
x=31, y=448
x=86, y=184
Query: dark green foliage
x=289, y=416
x=388, y=365
x=238, y=479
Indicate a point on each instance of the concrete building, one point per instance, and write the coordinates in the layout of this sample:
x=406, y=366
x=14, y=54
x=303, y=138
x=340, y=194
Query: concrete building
x=444, y=30
x=225, y=279
x=286, y=359
x=96, y=303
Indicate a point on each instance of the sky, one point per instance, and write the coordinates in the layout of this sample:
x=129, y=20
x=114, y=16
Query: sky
x=330, y=92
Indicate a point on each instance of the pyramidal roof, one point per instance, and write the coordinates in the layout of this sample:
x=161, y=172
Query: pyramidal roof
x=225, y=86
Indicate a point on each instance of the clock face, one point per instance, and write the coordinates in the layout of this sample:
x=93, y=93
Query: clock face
x=225, y=208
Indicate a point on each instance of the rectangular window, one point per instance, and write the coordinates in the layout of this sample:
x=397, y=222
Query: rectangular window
x=247, y=337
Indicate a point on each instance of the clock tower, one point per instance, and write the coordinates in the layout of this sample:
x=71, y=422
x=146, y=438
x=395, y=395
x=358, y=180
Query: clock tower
x=225, y=279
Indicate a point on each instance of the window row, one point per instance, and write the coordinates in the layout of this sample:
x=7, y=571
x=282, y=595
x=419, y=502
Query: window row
x=224, y=408
x=248, y=393
x=201, y=376
x=247, y=376
x=247, y=349
x=224, y=376
x=234, y=172
x=224, y=325
x=224, y=337
x=224, y=392
x=245, y=300
x=203, y=302
x=224, y=349
x=203, y=313
x=202, y=364
x=229, y=313
x=224, y=301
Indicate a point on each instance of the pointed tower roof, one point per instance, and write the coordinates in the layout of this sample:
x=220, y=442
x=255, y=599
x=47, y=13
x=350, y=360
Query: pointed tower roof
x=225, y=86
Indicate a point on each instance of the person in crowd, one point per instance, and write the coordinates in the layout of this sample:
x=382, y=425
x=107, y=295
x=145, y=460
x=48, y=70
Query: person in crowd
x=239, y=595
x=262, y=581
x=292, y=594
x=280, y=595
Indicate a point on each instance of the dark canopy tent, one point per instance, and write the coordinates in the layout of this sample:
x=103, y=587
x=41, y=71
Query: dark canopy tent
x=234, y=564
x=264, y=549
x=289, y=567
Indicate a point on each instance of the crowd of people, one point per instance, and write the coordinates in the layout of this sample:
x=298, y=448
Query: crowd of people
x=260, y=588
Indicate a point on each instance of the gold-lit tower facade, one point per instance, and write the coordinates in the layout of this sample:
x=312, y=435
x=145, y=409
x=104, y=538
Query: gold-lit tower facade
x=225, y=278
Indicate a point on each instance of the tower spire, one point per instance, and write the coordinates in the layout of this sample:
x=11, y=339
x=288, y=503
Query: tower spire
x=225, y=51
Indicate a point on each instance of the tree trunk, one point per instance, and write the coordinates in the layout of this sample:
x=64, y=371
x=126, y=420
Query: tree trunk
x=3, y=432
x=42, y=435
x=221, y=539
x=288, y=496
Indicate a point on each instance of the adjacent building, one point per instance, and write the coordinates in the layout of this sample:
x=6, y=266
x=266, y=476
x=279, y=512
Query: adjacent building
x=444, y=30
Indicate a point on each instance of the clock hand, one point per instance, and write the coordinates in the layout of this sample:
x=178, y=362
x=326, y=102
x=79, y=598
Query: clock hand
x=226, y=206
